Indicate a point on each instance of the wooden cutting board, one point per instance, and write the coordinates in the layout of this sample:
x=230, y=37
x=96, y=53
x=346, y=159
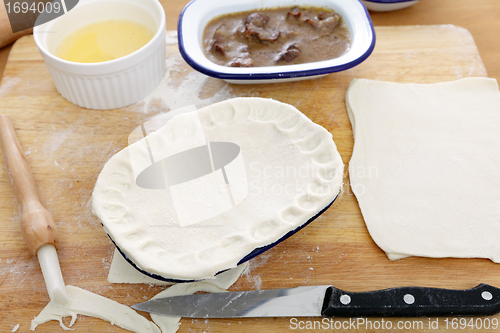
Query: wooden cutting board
x=67, y=146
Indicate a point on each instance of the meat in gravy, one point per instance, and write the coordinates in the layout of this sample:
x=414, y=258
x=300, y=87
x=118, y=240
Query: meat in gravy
x=279, y=36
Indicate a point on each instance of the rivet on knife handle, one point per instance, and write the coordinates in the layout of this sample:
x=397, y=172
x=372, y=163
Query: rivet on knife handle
x=412, y=302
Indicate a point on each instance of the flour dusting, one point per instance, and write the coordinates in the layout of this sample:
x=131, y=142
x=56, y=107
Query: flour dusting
x=8, y=83
x=171, y=37
x=54, y=140
x=173, y=96
x=256, y=262
x=181, y=86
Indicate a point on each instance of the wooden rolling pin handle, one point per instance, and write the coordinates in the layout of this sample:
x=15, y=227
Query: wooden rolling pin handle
x=38, y=228
x=37, y=224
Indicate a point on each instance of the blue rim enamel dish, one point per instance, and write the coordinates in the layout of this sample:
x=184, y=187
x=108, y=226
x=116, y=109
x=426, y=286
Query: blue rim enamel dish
x=249, y=256
x=195, y=16
x=387, y=5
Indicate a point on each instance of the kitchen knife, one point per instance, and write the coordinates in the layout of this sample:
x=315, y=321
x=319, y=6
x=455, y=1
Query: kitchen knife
x=328, y=301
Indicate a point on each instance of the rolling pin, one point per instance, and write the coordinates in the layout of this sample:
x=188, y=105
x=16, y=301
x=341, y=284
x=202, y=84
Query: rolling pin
x=37, y=225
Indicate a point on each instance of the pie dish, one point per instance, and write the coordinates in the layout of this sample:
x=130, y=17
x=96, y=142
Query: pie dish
x=387, y=5
x=197, y=14
x=183, y=227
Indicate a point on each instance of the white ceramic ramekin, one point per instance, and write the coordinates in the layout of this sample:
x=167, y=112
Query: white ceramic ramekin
x=110, y=84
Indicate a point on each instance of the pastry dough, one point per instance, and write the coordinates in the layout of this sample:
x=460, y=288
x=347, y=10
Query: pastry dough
x=425, y=166
x=286, y=169
x=90, y=304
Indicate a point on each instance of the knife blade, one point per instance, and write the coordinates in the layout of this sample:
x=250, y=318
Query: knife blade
x=328, y=301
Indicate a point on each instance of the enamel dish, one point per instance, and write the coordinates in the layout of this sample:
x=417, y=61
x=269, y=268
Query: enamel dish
x=216, y=187
x=387, y=5
x=198, y=13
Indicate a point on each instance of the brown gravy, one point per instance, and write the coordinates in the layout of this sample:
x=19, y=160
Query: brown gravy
x=279, y=36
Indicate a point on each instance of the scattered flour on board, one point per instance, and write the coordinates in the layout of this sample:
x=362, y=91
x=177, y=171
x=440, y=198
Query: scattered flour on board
x=15, y=328
x=256, y=262
x=174, y=94
x=187, y=92
x=171, y=37
x=8, y=82
x=54, y=140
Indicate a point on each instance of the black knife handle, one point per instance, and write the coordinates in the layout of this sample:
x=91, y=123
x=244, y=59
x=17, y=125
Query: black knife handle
x=483, y=300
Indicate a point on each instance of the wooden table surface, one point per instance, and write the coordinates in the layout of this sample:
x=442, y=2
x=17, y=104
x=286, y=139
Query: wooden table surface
x=335, y=249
